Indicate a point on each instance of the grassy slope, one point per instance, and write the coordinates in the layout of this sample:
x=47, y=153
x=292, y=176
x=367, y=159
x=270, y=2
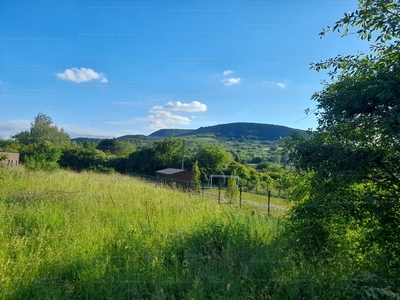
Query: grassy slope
x=67, y=235
x=71, y=236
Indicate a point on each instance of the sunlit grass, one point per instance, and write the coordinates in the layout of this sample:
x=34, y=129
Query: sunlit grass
x=68, y=235
x=76, y=235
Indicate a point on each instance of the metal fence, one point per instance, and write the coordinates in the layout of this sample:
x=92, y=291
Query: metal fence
x=203, y=189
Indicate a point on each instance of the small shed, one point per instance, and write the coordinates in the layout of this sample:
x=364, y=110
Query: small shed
x=12, y=159
x=175, y=174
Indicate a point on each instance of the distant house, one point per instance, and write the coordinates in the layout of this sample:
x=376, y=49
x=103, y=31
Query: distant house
x=175, y=174
x=12, y=159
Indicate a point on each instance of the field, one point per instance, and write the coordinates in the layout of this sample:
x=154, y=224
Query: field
x=68, y=235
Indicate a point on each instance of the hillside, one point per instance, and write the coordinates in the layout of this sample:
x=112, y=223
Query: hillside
x=166, y=133
x=247, y=131
x=231, y=131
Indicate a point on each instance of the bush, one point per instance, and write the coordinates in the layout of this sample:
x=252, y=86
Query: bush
x=44, y=158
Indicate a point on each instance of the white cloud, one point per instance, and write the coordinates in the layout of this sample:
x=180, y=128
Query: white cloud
x=161, y=119
x=228, y=72
x=156, y=107
x=81, y=75
x=231, y=81
x=281, y=85
x=194, y=106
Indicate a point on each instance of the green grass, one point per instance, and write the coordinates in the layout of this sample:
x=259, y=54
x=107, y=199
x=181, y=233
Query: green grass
x=258, y=198
x=69, y=235
x=66, y=235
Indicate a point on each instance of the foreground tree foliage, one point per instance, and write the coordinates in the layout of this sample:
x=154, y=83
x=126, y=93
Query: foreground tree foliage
x=350, y=206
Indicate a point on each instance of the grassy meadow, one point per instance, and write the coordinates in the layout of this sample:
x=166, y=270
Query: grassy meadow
x=67, y=235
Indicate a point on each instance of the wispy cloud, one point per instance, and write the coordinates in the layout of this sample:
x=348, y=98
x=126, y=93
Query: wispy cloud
x=274, y=83
x=281, y=85
x=231, y=81
x=81, y=75
x=75, y=131
x=194, y=106
x=12, y=127
x=228, y=72
x=129, y=103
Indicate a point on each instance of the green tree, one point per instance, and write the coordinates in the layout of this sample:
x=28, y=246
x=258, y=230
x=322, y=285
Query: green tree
x=44, y=158
x=266, y=181
x=212, y=160
x=196, y=176
x=142, y=161
x=168, y=153
x=11, y=146
x=80, y=158
x=3, y=157
x=89, y=145
x=254, y=180
x=352, y=160
x=112, y=146
x=43, y=130
x=286, y=183
x=241, y=170
x=127, y=148
x=232, y=190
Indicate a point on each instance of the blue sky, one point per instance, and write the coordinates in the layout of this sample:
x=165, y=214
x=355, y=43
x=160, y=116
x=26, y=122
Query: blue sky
x=111, y=68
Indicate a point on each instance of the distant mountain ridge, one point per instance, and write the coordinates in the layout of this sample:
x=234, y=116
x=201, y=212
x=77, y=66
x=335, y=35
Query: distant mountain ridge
x=238, y=131
x=171, y=132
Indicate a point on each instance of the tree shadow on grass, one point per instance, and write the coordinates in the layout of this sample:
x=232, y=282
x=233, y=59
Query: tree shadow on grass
x=216, y=260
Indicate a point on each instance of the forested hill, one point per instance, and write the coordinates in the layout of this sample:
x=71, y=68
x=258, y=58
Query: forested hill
x=166, y=133
x=231, y=131
x=238, y=131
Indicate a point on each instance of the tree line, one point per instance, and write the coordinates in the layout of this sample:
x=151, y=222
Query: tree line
x=46, y=147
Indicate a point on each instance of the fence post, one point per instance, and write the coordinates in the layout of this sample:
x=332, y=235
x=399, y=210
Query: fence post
x=269, y=202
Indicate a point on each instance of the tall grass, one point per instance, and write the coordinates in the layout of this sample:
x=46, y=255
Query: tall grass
x=68, y=235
